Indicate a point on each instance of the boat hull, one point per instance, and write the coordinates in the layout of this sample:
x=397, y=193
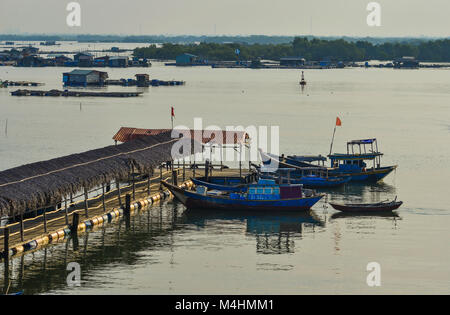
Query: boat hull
x=193, y=200
x=356, y=209
x=371, y=175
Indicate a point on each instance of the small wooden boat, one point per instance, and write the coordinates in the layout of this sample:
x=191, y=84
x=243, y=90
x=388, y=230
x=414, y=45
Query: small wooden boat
x=383, y=206
x=265, y=195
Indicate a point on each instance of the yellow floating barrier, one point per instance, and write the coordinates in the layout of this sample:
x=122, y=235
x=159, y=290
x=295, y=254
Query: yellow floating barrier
x=61, y=233
x=19, y=249
x=39, y=241
x=94, y=221
x=54, y=236
x=81, y=227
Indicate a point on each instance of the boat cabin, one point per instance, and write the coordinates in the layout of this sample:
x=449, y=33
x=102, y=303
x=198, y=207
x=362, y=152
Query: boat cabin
x=358, y=151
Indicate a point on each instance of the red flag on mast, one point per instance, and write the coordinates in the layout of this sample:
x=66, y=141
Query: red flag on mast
x=173, y=112
x=338, y=121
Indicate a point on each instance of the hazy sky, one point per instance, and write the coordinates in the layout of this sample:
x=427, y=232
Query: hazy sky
x=229, y=17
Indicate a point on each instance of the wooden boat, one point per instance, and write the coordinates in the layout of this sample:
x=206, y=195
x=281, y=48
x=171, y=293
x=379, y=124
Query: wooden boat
x=383, y=206
x=265, y=195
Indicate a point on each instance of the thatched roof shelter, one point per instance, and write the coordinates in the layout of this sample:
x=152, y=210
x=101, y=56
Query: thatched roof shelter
x=36, y=185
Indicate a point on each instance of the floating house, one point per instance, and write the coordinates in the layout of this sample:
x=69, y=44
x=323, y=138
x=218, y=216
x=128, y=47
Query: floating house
x=118, y=61
x=84, y=59
x=142, y=80
x=101, y=61
x=292, y=61
x=31, y=61
x=406, y=62
x=186, y=59
x=84, y=78
x=60, y=60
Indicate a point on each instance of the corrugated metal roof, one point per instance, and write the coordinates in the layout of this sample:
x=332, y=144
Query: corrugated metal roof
x=228, y=137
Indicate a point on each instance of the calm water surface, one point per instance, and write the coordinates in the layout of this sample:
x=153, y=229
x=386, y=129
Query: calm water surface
x=170, y=250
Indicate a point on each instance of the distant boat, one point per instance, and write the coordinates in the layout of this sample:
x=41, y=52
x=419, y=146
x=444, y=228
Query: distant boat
x=303, y=81
x=383, y=206
x=265, y=195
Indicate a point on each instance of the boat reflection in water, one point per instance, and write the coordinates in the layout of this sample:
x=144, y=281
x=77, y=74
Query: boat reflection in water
x=275, y=232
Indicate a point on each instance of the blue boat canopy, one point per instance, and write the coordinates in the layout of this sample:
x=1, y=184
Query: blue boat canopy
x=307, y=158
x=362, y=141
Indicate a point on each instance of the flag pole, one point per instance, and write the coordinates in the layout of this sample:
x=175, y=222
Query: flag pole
x=332, y=139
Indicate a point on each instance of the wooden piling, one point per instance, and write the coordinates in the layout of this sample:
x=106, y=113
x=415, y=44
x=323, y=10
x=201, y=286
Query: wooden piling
x=6, y=255
x=149, y=183
x=127, y=209
x=6, y=246
x=75, y=222
x=175, y=178
x=206, y=169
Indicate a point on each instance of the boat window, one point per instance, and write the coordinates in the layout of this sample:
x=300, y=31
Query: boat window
x=276, y=190
x=268, y=190
x=260, y=191
x=252, y=191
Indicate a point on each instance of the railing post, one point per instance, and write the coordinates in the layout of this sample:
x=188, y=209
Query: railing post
x=118, y=191
x=149, y=183
x=66, y=211
x=184, y=170
x=160, y=177
x=21, y=227
x=134, y=185
x=86, y=203
x=45, y=220
x=127, y=211
x=103, y=198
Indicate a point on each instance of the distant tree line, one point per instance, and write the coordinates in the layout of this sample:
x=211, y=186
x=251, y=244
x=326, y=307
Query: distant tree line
x=311, y=49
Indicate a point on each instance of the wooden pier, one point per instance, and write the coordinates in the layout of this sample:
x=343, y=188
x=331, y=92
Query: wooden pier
x=67, y=93
x=68, y=217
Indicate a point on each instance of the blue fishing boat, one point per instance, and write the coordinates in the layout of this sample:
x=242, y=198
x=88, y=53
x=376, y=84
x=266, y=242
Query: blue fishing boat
x=265, y=195
x=300, y=172
x=353, y=163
